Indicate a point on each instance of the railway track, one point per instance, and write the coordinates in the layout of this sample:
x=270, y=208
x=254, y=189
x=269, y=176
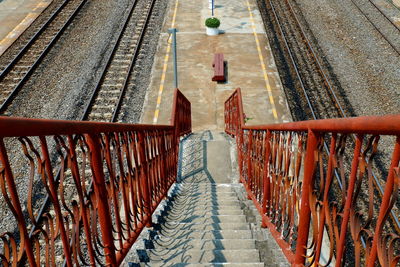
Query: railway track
x=312, y=81
x=107, y=97
x=17, y=72
x=382, y=23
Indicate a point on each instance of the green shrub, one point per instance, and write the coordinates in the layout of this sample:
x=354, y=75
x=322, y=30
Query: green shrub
x=212, y=22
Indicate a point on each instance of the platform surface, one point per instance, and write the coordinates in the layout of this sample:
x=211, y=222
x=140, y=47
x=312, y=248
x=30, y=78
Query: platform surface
x=15, y=17
x=250, y=66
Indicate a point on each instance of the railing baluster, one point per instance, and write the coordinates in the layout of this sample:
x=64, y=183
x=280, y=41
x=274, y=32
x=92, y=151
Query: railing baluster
x=349, y=198
x=101, y=198
x=16, y=205
x=266, y=178
x=329, y=176
x=144, y=178
x=304, y=220
x=384, y=208
x=54, y=197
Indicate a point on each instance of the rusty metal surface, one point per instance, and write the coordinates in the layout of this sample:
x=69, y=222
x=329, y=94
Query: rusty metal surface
x=112, y=178
x=315, y=202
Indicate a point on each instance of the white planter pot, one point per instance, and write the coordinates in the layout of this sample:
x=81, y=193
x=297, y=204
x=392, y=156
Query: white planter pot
x=212, y=31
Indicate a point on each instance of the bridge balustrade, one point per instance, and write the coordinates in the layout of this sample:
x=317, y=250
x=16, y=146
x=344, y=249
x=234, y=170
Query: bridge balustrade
x=103, y=182
x=318, y=185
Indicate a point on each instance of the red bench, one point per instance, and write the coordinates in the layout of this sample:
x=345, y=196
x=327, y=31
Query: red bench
x=219, y=68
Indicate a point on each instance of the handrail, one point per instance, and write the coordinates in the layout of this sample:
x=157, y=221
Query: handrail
x=130, y=166
x=290, y=180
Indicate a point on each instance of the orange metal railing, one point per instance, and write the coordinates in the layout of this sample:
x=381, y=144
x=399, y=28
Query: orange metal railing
x=103, y=181
x=314, y=185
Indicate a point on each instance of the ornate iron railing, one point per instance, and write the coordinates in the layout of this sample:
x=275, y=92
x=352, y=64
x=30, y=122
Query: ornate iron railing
x=313, y=185
x=104, y=181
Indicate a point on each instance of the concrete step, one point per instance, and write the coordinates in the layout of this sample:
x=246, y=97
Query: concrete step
x=202, y=193
x=207, y=244
x=227, y=264
x=214, y=187
x=199, y=202
x=171, y=226
x=205, y=219
x=208, y=195
x=212, y=234
x=180, y=208
x=198, y=256
x=205, y=212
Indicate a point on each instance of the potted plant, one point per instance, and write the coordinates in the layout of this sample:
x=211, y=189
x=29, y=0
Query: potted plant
x=212, y=25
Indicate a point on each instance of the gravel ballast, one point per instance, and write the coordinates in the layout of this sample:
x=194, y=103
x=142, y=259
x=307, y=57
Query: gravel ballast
x=365, y=64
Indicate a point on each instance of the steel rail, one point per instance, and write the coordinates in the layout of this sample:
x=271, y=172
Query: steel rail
x=386, y=16
x=96, y=91
x=376, y=27
x=16, y=89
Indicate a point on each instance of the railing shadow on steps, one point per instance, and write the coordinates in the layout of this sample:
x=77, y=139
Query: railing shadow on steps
x=113, y=176
x=318, y=220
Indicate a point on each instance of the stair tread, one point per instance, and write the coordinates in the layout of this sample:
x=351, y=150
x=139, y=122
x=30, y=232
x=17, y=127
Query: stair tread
x=204, y=207
x=209, y=234
x=204, y=219
x=171, y=226
x=183, y=264
x=199, y=255
x=204, y=212
x=208, y=244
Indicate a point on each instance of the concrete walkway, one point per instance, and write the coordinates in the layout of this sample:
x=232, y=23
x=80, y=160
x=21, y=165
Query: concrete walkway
x=15, y=17
x=250, y=66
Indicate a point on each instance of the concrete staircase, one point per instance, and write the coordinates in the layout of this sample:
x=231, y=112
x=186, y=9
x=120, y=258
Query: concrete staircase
x=202, y=223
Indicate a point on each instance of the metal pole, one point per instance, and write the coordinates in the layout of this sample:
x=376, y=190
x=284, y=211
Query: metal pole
x=212, y=8
x=173, y=31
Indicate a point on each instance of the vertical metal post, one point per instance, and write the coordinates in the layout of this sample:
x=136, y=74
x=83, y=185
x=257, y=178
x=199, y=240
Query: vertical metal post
x=340, y=247
x=384, y=208
x=173, y=31
x=212, y=8
x=329, y=176
x=249, y=182
x=100, y=191
x=304, y=220
x=266, y=181
x=145, y=178
x=56, y=204
x=16, y=205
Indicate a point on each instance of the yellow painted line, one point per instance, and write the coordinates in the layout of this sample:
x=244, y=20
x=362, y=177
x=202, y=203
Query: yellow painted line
x=22, y=26
x=261, y=57
x=165, y=67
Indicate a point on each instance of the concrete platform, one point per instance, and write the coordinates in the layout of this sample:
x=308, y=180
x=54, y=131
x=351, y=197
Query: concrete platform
x=16, y=16
x=251, y=66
